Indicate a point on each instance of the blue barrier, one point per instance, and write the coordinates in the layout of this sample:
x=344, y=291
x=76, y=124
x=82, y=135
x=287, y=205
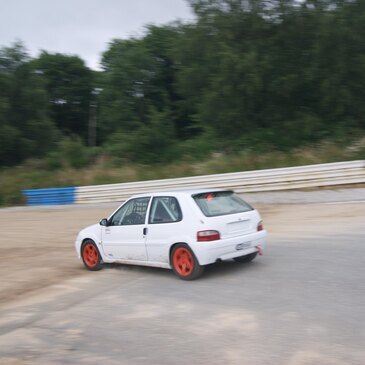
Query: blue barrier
x=53, y=196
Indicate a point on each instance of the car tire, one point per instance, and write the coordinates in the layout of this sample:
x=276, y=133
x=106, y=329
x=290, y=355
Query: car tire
x=246, y=258
x=91, y=256
x=184, y=263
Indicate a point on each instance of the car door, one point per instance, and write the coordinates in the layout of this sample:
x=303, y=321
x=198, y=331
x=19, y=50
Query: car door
x=164, y=225
x=123, y=238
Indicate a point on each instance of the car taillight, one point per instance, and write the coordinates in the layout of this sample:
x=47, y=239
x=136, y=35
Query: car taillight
x=260, y=226
x=210, y=235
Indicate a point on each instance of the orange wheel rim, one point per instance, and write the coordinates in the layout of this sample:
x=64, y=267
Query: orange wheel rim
x=90, y=255
x=183, y=261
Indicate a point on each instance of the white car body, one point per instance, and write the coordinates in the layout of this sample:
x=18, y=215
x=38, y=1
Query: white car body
x=150, y=244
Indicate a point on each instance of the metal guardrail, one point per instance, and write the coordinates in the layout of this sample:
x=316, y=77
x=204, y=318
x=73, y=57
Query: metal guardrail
x=331, y=174
x=53, y=196
x=311, y=176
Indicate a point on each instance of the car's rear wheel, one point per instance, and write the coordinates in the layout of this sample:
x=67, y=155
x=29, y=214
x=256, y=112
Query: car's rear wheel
x=184, y=263
x=91, y=256
x=246, y=258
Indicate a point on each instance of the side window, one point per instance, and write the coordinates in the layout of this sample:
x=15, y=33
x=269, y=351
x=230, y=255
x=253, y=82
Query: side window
x=165, y=209
x=131, y=213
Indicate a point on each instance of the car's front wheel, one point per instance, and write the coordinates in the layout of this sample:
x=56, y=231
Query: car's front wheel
x=246, y=258
x=91, y=256
x=184, y=263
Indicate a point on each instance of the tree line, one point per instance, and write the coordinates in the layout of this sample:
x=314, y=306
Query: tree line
x=253, y=74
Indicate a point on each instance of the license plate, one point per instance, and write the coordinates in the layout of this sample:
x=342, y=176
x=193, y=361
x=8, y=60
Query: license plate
x=242, y=246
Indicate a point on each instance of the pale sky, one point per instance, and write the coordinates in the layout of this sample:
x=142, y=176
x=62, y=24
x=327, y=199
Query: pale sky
x=82, y=27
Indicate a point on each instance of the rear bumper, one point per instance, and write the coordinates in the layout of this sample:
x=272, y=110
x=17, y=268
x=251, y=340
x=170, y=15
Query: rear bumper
x=210, y=252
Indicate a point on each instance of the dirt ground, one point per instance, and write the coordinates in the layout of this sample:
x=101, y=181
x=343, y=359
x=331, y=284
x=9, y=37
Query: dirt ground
x=37, y=244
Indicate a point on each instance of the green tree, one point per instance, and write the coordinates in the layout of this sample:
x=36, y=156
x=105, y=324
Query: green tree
x=140, y=74
x=69, y=84
x=25, y=127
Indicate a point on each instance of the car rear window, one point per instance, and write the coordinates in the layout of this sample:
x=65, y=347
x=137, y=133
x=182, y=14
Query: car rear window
x=220, y=203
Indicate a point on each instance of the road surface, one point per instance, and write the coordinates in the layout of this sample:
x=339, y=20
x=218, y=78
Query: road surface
x=302, y=303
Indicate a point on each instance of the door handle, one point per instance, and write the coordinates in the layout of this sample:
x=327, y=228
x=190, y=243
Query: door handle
x=107, y=230
x=145, y=230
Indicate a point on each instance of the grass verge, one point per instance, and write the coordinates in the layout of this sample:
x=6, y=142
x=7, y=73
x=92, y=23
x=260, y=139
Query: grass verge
x=105, y=170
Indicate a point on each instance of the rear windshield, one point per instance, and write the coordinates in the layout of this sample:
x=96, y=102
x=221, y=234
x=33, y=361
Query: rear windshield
x=220, y=203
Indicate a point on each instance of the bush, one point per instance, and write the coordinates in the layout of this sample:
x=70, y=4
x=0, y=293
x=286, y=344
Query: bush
x=153, y=142
x=199, y=147
x=71, y=152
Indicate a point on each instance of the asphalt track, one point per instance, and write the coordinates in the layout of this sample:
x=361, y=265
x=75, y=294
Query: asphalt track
x=302, y=303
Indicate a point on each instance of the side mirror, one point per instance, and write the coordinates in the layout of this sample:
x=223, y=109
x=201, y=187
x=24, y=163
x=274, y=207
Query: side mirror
x=104, y=222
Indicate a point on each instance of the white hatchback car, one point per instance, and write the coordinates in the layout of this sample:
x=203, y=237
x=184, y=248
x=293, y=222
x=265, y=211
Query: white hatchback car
x=182, y=230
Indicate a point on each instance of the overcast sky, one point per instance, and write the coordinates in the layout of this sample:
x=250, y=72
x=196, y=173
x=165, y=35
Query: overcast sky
x=82, y=27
